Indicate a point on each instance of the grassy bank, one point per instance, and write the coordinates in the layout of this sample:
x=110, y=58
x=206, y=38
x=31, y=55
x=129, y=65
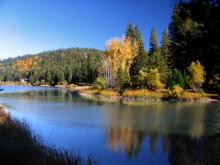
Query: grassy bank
x=167, y=95
x=19, y=146
x=144, y=95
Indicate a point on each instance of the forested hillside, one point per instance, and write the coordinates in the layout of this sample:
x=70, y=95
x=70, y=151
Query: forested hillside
x=74, y=65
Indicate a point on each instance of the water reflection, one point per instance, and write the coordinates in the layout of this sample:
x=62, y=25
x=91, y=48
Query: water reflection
x=125, y=140
x=181, y=149
x=187, y=133
x=183, y=133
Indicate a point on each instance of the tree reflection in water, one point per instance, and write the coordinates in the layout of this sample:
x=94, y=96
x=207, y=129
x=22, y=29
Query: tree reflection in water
x=186, y=137
x=181, y=149
x=126, y=140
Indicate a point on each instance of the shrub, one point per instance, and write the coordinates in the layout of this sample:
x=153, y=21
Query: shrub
x=175, y=77
x=177, y=91
x=151, y=79
x=100, y=83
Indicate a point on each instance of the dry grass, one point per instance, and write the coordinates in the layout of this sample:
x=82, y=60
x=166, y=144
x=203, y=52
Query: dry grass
x=192, y=96
x=148, y=94
x=102, y=92
x=165, y=94
x=143, y=93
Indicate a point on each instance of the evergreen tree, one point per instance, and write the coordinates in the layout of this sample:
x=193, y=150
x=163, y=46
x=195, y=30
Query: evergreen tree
x=194, y=33
x=153, y=41
x=69, y=75
x=48, y=76
x=123, y=78
x=157, y=60
x=140, y=60
x=176, y=78
x=130, y=32
x=165, y=48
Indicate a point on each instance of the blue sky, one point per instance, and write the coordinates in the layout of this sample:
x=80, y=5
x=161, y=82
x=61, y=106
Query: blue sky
x=32, y=26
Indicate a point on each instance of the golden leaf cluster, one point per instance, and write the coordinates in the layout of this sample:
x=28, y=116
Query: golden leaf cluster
x=120, y=53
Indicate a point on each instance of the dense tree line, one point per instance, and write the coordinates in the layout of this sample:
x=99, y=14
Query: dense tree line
x=188, y=55
x=75, y=65
x=195, y=35
x=188, y=52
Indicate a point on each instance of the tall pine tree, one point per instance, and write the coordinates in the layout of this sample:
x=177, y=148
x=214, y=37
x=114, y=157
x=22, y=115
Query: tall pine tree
x=153, y=41
x=140, y=60
x=130, y=32
x=165, y=48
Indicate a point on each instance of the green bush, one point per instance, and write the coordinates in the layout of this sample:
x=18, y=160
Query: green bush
x=100, y=83
x=175, y=77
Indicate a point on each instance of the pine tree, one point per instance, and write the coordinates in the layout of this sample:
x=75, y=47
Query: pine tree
x=140, y=60
x=48, y=77
x=69, y=75
x=123, y=78
x=156, y=60
x=130, y=32
x=153, y=41
x=165, y=48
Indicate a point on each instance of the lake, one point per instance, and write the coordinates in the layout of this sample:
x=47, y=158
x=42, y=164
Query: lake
x=113, y=133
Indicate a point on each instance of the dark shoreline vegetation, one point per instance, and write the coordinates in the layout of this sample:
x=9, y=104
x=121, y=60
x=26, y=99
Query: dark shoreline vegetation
x=20, y=146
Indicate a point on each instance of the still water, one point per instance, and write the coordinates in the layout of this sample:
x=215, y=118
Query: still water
x=157, y=133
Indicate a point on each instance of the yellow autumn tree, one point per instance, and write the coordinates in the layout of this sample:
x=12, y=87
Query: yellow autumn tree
x=150, y=78
x=120, y=53
x=196, y=74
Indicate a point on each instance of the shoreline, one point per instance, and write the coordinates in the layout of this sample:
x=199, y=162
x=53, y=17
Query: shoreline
x=87, y=92
x=115, y=97
x=141, y=100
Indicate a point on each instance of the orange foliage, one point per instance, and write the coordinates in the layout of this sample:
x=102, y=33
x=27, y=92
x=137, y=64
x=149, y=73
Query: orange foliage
x=24, y=65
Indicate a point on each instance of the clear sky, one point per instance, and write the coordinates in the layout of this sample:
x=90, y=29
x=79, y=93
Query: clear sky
x=32, y=26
